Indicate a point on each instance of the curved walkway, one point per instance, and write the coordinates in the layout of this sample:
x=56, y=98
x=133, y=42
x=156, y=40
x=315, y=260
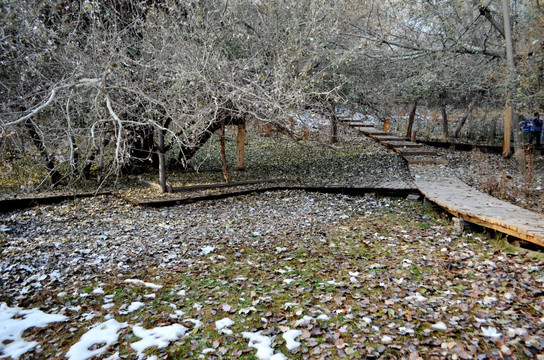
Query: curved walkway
x=449, y=192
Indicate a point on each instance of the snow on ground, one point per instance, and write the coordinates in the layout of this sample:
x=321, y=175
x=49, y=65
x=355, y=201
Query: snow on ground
x=98, y=338
x=263, y=344
x=14, y=322
x=159, y=337
x=223, y=326
x=149, y=285
x=289, y=336
x=206, y=250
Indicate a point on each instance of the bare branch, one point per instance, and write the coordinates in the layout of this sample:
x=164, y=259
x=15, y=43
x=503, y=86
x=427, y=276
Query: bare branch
x=82, y=82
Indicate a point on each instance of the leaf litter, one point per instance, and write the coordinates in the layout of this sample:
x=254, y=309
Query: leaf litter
x=278, y=275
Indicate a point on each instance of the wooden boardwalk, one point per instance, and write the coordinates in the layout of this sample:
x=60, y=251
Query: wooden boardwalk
x=446, y=190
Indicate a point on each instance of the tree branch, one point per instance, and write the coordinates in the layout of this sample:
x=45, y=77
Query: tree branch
x=119, y=122
x=82, y=82
x=484, y=11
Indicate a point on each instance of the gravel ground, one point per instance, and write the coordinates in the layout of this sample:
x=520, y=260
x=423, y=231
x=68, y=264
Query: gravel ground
x=391, y=278
x=347, y=277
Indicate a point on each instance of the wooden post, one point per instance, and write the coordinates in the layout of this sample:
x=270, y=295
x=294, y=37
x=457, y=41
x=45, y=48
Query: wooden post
x=413, y=136
x=386, y=125
x=240, y=146
x=223, y=154
x=162, y=164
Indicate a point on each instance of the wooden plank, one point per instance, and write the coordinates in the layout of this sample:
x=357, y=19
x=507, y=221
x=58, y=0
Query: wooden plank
x=474, y=206
x=7, y=205
x=223, y=185
x=360, y=124
x=402, y=144
x=411, y=152
x=371, y=131
x=427, y=161
x=396, y=189
x=389, y=138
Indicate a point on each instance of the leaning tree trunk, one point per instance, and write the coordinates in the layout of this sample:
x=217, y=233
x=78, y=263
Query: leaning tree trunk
x=55, y=175
x=188, y=151
x=464, y=119
x=444, y=121
x=411, y=119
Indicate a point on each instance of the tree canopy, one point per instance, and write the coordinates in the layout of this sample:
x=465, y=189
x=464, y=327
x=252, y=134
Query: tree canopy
x=80, y=77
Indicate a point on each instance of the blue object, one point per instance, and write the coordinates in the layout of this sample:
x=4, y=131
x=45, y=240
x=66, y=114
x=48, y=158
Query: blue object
x=526, y=126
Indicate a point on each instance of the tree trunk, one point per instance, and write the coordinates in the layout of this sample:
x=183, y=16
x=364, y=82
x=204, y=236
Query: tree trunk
x=162, y=164
x=411, y=119
x=188, y=151
x=54, y=174
x=509, y=107
x=99, y=176
x=223, y=154
x=240, y=147
x=444, y=121
x=464, y=119
x=333, y=124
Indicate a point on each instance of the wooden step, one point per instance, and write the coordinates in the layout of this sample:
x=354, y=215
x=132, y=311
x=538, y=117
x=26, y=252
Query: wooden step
x=381, y=138
x=372, y=131
x=411, y=152
x=422, y=160
x=359, y=124
x=402, y=144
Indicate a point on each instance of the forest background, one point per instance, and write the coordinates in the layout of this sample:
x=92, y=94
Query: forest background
x=97, y=88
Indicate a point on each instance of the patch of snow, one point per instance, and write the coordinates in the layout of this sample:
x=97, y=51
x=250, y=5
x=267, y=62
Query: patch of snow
x=11, y=330
x=263, y=344
x=206, y=250
x=491, y=332
x=103, y=334
x=223, y=326
x=181, y=293
x=323, y=317
x=159, y=337
x=439, y=326
x=305, y=320
x=387, y=339
x=417, y=298
x=288, y=281
x=98, y=291
x=147, y=284
x=135, y=306
x=289, y=337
